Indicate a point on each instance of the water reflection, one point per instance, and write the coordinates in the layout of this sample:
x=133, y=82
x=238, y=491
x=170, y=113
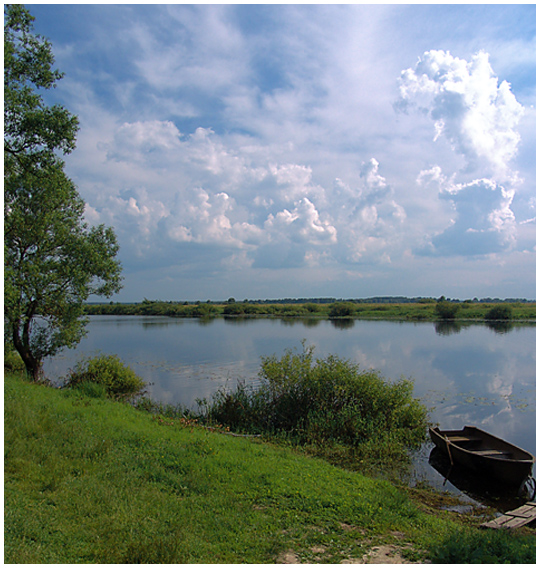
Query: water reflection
x=500, y=326
x=344, y=323
x=238, y=320
x=300, y=322
x=447, y=327
x=479, y=488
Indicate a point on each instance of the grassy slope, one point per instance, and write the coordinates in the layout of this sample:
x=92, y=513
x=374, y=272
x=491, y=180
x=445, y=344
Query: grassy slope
x=89, y=480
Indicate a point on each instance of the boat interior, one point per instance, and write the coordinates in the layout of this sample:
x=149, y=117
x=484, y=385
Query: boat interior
x=482, y=445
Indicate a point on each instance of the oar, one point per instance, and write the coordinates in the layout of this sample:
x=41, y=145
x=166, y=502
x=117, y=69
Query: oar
x=448, y=450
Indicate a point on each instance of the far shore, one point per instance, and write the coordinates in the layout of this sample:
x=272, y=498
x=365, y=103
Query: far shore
x=496, y=312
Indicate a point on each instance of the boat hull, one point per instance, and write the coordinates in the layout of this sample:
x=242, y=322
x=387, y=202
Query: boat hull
x=484, y=454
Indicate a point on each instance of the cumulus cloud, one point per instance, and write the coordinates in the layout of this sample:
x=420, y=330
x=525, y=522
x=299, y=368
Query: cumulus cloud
x=482, y=223
x=237, y=199
x=479, y=116
x=368, y=217
x=469, y=106
x=302, y=224
x=138, y=140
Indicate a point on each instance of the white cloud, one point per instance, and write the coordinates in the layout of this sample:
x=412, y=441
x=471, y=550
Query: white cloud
x=482, y=223
x=302, y=224
x=137, y=140
x=370, y=222
x=469, y=106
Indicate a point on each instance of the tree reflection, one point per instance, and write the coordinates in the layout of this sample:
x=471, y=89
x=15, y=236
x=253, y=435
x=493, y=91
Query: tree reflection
x=306, y=322
x=500, y=326
x=447, y=327
x=343, y=323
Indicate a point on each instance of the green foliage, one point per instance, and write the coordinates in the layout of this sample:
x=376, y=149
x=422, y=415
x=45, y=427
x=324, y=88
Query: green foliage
x=204, y=310
x=12, y=360
x=495, y=547
x=342, y=309
x=447, y=310
x=108, y=371
x=499, y=312
x=325, y=401
x=52, y=260
x=240, y=309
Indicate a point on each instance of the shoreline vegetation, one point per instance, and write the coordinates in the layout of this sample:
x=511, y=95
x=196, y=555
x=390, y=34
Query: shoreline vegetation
x=89, y=479
x=384, y=308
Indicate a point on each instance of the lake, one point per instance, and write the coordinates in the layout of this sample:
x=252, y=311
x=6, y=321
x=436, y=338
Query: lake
x=467, y=374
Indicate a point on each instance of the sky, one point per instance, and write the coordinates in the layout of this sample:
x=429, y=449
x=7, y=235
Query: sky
x=291, y=151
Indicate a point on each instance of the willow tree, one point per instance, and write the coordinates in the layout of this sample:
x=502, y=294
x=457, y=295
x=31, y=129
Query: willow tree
x=53, y=261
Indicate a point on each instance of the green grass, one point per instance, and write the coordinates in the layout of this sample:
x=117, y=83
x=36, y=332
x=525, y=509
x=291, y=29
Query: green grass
x=89, y=480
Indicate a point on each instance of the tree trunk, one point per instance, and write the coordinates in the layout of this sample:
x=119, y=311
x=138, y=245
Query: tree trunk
x=32, y=364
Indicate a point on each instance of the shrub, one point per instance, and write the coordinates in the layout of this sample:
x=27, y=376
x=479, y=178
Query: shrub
x=234, y=309
x=119, y=380
x=447, y=310
x=12, y=359
x=500, y=312
x=203, y=310
x=325, y=401
x=342, y=309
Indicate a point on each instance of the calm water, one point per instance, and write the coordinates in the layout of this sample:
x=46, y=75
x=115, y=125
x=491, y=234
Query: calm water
x=468, y=375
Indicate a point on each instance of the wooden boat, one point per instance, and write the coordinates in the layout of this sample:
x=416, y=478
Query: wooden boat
x=484, y=453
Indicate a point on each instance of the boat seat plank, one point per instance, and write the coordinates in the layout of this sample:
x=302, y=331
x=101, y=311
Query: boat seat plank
x=461, y=439
x=492, y=453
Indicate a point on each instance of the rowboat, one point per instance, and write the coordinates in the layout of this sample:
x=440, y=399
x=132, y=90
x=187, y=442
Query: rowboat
x=484, y=453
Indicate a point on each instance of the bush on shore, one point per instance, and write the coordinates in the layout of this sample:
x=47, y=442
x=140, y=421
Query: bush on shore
x=447, y=310
x=342, y=310
x=12, y=360
x=105, y=375
x=501, y=312
x=325, y=402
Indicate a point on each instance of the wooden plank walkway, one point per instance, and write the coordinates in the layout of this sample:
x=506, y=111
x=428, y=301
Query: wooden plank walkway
x=517, y=518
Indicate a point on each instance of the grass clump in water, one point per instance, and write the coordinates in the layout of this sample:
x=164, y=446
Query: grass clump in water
x=327, y=404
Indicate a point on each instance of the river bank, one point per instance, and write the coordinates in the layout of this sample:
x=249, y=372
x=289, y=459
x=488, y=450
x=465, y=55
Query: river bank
x=426, y=310
x=96, y=481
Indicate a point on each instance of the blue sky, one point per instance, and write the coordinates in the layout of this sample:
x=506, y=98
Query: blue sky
x=269, y=151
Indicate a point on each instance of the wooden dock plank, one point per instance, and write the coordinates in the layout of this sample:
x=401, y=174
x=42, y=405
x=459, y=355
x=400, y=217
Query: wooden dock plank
x=513, y=519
